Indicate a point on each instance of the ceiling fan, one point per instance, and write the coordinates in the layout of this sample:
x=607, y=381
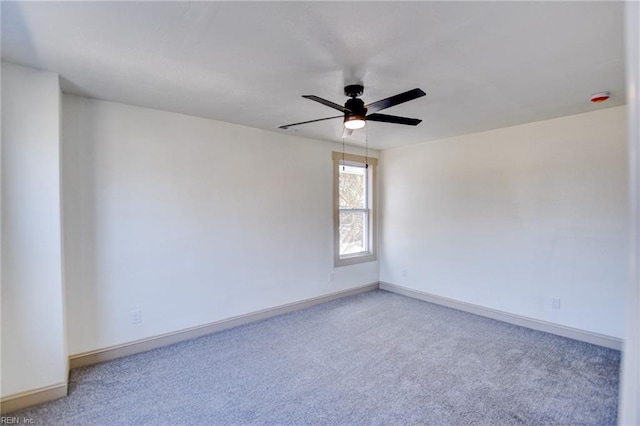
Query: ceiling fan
x=356, y=113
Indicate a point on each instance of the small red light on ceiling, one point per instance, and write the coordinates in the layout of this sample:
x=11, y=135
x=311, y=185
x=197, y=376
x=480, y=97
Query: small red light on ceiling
x=600, y=97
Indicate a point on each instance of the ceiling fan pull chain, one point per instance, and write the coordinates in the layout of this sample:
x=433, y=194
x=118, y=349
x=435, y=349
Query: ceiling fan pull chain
x=366, y=148
x=343, y=152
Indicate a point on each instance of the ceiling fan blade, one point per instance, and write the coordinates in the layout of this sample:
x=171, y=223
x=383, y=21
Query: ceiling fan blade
x=393, y=119
x=286, y=126
x=327, y=103
x=394, y=100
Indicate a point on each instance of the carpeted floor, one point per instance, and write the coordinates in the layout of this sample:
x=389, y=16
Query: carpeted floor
x=371, y=359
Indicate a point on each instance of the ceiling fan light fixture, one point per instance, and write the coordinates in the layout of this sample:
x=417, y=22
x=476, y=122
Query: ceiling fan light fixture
x=354, y=122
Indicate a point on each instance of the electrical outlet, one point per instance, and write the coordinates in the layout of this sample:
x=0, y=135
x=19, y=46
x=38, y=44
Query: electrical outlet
x=135, y=316
x=555, y=303
x=404, y=272
x=332, y=277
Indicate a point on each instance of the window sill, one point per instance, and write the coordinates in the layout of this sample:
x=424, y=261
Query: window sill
x=355, y=259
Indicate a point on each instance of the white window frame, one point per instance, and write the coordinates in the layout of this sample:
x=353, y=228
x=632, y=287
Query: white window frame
x=370, y=239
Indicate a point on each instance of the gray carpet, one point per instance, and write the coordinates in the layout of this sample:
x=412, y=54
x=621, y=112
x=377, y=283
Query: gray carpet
x=371, y=359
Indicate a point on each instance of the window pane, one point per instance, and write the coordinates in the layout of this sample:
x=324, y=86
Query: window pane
x=352, y=185
x=353, y=228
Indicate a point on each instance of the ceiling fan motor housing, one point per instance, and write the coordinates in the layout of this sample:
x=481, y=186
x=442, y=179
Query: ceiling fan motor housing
x=356, y=106
x=354, y=115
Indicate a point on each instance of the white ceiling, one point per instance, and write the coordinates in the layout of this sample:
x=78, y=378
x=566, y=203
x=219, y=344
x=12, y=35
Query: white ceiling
x=483, y=65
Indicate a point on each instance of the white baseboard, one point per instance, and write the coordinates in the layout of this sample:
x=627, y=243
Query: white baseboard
x=548, y=327
x=113, y=352
x=22, y=400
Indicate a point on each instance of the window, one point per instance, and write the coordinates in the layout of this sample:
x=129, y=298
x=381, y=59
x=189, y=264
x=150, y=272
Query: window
x=354, y=186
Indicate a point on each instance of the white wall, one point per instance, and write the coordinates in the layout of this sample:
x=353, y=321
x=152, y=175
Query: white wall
x=629, y=408
x=511, y=218
x=33, y=334
x=189, y=220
